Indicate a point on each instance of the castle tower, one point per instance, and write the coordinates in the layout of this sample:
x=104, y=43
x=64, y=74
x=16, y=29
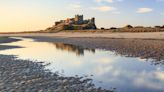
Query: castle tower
x=79, y=19
x=93, y=20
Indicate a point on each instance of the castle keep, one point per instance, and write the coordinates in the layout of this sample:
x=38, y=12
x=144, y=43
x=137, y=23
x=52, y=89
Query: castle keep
x=76, y=23
x=78, y=20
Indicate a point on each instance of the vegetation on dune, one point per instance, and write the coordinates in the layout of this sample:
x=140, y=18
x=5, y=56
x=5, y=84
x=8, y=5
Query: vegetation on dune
x=130, y=28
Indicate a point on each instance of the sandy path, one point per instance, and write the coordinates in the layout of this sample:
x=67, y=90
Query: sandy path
x=148, y=35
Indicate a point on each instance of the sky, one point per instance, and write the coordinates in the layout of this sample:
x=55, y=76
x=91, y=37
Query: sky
x=34, y=15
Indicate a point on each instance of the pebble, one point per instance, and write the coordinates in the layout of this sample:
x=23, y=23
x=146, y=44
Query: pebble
x=27, y=76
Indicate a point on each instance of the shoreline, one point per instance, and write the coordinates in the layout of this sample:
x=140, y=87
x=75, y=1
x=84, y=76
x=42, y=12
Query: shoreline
x=126, y=35
x=7, y=40
x=28, y=76
x=18, y=75
x=143, y=48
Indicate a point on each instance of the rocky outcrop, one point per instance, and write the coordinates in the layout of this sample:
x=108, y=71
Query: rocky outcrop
x=77, y=23
x=70, y=27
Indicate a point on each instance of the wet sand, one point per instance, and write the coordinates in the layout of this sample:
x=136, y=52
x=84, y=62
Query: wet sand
x=27, y=76
x=142, y=48
x=142, y=35
x=7, y=40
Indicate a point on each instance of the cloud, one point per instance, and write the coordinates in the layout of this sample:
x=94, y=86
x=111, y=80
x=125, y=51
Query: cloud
x=98, y=1
x=109, y=1
x=144, y=10
x=75, y=6
x=149, y=79
x=106, y=60
x=116, y=12
x=104, y=8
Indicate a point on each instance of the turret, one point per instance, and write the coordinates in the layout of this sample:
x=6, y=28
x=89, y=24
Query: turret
x=78, y=19
x=93, y=20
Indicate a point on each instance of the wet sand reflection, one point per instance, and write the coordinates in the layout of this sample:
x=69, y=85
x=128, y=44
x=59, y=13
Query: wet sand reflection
x=79, y=51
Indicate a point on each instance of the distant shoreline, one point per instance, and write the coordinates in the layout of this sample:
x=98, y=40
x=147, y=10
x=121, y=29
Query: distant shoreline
x=117, y=35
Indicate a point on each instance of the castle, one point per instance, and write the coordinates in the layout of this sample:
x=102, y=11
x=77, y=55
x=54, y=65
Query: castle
x=78, y=20
x=76, y=23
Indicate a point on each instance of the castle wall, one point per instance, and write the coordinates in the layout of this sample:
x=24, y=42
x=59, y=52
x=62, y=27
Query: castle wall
x=93, y=20
x=78, y=19
x=77, y=23
x=56, y=23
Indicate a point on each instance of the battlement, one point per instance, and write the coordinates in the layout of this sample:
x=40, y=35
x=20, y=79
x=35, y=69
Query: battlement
x=76, y=23
x=77, y=20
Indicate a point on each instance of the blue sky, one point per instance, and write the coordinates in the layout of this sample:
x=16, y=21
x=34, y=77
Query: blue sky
x=30, y=15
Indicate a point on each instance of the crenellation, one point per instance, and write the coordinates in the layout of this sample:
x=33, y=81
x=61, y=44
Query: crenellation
x=77, y=22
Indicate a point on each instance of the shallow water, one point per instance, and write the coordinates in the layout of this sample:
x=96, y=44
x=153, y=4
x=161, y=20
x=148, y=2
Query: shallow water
x=108, y=69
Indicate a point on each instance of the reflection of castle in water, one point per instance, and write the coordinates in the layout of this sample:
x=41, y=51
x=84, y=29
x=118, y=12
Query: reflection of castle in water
x=72, y=48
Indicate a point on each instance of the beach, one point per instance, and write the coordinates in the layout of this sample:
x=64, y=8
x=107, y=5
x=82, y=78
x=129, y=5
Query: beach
x=24, y=75
x=144, y=45
x=7, y=40
x=28, y=76
x=128, y=35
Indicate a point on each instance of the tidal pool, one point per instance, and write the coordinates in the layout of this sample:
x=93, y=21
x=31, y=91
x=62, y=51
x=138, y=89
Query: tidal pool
x=107, y=69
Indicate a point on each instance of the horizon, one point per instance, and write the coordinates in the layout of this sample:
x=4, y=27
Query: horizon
x=30, y=15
